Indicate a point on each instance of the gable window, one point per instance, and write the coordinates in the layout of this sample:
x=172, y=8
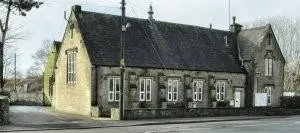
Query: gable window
x=268, y=66
x=71, y=66
x=113, y=89
x=145, y=89
x=268, y=90
x=269, y=63
x=173, y=89
x=220, y=91
x=197, y=90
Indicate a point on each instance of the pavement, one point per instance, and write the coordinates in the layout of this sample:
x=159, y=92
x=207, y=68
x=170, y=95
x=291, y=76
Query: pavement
x=271, y=125
x=34, y=118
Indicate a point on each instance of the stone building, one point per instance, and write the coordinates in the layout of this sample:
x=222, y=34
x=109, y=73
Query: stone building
x=49, y=73
x=168, y=65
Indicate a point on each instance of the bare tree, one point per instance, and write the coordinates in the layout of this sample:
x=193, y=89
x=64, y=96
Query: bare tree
x=41, y=55
x=287, y=32
x=20, y=6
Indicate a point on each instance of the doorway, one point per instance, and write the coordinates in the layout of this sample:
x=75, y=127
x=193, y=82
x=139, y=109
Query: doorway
x=237, y=99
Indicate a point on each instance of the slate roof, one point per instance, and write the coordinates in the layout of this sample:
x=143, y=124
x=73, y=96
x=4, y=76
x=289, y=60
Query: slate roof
x=178, y=46
x=249, y=39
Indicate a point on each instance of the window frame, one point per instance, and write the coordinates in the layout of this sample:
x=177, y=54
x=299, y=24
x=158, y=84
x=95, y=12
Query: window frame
x=71, y=66
x=113, y=90
x=196, y=90
x=173, y=84
x=219, y=93
x=145, y=92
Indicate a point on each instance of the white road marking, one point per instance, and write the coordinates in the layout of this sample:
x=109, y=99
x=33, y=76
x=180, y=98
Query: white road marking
x=253, y=125
x=176, y=130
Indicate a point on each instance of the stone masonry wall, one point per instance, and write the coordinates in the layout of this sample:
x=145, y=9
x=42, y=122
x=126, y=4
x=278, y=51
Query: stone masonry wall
x=258, y=78
x=159, y=86
x=73, y=97
x=133, y=114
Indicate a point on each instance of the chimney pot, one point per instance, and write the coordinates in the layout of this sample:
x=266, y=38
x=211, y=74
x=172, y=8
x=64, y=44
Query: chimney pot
x=76, y=8
x=233, y=18
x=150, y=12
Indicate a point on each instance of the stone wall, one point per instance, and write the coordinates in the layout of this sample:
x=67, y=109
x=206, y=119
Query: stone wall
x=133, y=114
x=23, y=98
x=256, y=69
x=159, y=87
x=4, y=108
x=73, y=97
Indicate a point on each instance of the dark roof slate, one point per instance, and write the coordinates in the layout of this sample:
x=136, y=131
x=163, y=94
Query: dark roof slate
x=250, y=39
x=178, y=46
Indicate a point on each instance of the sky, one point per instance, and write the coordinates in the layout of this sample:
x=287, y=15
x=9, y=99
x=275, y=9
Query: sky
x=47, y=22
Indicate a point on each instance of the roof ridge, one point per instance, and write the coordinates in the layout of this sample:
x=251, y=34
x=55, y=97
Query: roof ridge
x=159, y=21
x=256, y=28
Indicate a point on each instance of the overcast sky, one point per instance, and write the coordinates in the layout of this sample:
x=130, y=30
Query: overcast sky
x=47, y=22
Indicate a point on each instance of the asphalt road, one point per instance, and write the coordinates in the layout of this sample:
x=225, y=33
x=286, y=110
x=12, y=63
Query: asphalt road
x=274, y=125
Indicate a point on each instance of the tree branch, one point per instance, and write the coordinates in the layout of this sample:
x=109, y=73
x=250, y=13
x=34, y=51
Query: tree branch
x=1, y=27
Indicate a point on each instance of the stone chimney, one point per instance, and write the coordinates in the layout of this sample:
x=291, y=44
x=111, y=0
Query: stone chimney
x=150, y=12
x=76, y=8
x=235, y=27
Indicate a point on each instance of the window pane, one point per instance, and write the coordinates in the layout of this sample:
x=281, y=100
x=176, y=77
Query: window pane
x=117, y=82
x=222, y=97
x=200, y=96
x=169, y=96
x=142, y=97
x=175, y=97
x=148, y=88
x=71, y=77
x=74, y=65
x=169, y=85
x=148, y=98
x=117, y=96
x=270, y=67
x=200, y=86
x=222, y=89
x=142, y=85
x=195, y=86
x=175, y=86
x=111, y=88
x=218, y=90
x=266, y=67
x=195, y=96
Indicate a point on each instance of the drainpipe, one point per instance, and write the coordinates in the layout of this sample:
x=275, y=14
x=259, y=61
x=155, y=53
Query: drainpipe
x=96, y=78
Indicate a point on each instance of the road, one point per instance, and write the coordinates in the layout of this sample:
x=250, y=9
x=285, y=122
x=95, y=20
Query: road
x=274, y=125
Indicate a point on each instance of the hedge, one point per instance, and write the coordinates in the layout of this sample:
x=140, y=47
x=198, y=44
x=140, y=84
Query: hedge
x=5, y=93
x=290, y=102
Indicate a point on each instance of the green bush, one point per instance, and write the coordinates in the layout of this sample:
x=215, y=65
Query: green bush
x=223, y=104
x=5, y=93
x=290, y=102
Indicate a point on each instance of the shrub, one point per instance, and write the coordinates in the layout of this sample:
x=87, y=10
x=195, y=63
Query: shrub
x=163, y=99
x=189, y=99
x=223, y=104
x=5, y=93
x=290, y=102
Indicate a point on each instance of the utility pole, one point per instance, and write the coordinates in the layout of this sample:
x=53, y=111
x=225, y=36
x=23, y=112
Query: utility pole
x=122, y=61
x=15, y=74
x=229, y=13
